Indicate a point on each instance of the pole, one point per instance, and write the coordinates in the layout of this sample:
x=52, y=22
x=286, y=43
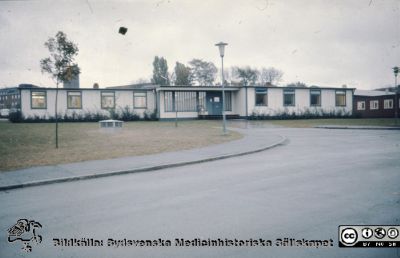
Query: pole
x=247, y=110
x=223, y=97
x=176, y=110
x=396, y=100
x=56, y=116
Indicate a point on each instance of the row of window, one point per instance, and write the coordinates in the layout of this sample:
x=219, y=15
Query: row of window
x=9, y=103
x=8, y=93
x=191, y=101
x=9, y=97
x=15, y=96
x=74, y=99
x=289, y=98
x=183, y=101
x=374, y=104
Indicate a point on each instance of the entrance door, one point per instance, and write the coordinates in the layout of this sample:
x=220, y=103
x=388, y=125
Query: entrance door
x=214, y=103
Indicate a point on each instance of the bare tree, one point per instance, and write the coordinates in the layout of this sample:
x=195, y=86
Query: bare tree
x=297, y=85
x=203, y=72
x=228, y=76
x=246, y=75
x=183, y=75
x=270, y=75
x=60, y=65
x=160, y=71
x=141, y=80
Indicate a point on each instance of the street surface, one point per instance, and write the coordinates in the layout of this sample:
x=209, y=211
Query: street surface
x=305, y=189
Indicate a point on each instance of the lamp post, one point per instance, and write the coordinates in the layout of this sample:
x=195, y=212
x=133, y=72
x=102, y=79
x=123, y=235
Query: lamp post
x=176, y=108
x=396, y=100
x=221, y=46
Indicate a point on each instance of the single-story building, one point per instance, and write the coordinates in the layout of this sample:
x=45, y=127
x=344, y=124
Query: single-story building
x=190, y=102
x=186, y=101
x=374, y=103
x=41, y=101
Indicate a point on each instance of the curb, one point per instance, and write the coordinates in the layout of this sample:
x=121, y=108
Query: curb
x=357, y=128
x=138, y=170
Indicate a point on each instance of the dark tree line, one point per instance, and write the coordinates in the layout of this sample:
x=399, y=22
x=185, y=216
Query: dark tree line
x=197, y=72
x=200, y=72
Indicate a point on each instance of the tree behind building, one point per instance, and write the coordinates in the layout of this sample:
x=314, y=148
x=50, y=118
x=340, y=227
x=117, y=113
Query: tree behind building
x=160, y=71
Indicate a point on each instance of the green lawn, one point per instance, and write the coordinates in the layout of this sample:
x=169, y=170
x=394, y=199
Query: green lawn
x=305, y=123
x=32, y=144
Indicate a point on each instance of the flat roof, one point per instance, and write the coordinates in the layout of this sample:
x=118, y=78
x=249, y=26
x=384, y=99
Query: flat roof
x=197, y=88
x=372, y=93
x=148, y=87
x=233, y=88
x=99, y=89
x=144, y=86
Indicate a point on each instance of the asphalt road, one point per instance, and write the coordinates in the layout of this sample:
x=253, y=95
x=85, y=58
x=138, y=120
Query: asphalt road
x=319, y=180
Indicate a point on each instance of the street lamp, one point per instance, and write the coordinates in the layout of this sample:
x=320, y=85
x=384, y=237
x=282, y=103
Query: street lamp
x=221, y=46
x=396, y=105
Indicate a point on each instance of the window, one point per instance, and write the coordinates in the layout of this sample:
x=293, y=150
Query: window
x=140, y=99
x=315, y=97
x=38, y=99
x=74, y=99
x=360, y=105
x=373, y=104
x=340, y=98
x=181, y=101
x=107, y=99
x=228, y=101
x=388, y=104
x=185, y=101
x=202, y=101
x=169, y=101
x=288, y=98
x=261, y=97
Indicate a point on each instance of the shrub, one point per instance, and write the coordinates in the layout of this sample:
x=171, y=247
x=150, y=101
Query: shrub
x=150, y=115
x=301, y=114
x=128, y=115
x=113, y=113
x=15, y=116
x=98, y=116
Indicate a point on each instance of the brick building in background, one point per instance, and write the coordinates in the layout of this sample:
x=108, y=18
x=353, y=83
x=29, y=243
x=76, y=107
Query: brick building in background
x=375, y=103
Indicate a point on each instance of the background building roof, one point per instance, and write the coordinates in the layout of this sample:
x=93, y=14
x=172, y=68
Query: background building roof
x=372, y=93
x=144, y=86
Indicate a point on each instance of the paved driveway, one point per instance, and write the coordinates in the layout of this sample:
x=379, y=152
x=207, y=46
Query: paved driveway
x=320, y=179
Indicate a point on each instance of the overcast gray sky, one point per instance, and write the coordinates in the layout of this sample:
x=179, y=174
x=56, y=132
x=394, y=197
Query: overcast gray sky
x=327, y=43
